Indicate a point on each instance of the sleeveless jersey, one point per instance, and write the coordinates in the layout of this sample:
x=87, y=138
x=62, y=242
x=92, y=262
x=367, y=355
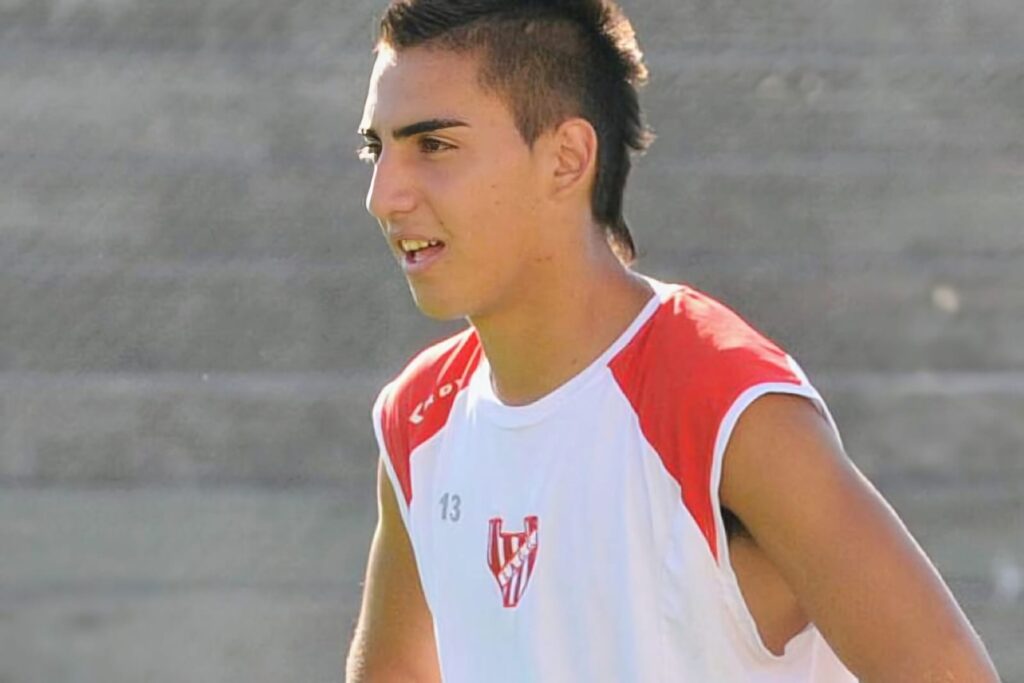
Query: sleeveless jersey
x=580, y=537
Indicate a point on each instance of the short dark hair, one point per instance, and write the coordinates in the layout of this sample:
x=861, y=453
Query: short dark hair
x=549, y=60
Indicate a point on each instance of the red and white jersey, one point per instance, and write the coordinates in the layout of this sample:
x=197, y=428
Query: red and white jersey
x=580, y=537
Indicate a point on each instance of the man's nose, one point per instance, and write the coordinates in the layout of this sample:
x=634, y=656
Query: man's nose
x=391, y=188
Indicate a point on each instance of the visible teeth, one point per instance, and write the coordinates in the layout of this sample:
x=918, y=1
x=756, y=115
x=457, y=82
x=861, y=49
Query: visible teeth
x=415, y=245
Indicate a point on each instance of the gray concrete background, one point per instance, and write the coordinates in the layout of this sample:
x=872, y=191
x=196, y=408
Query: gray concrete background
x=195, y=311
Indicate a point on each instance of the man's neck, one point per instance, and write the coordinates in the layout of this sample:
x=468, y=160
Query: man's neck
x=558, y=328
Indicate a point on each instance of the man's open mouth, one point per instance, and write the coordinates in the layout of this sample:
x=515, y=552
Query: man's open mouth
x=418, y=250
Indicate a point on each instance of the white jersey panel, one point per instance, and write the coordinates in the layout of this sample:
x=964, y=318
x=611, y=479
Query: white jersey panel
x=586, y=610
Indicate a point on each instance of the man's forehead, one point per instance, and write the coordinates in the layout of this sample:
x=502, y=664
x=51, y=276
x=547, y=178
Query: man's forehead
x=419, y=84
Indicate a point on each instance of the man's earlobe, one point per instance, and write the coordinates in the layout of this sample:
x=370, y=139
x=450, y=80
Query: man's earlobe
x=575, y=148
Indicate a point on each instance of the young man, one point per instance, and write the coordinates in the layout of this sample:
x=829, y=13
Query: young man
x=605, y=477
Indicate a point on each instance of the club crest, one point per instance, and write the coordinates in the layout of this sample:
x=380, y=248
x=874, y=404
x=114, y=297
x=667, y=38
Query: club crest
x=511, y=557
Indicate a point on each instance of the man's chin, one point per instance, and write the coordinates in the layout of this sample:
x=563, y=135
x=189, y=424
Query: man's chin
x=436, y=309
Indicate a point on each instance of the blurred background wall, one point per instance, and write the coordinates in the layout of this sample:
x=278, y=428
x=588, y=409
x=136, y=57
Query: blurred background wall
x=196, y=312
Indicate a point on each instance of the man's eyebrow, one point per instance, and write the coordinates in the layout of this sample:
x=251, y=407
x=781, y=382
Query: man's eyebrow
x=428, y=126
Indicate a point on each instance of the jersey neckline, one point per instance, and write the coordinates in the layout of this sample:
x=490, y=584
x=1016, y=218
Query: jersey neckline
x=485, y=402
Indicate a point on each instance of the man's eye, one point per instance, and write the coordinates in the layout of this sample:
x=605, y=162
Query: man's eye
x=433, y=145
x=369, y=152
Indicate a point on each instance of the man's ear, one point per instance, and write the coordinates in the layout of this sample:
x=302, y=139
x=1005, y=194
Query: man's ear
x=574, y=149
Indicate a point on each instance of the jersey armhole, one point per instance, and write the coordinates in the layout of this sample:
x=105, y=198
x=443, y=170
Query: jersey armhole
x=737, y=605
x=385, y=456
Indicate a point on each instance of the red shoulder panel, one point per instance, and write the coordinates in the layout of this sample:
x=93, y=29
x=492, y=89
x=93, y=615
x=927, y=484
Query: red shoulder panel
x=420, y=400
x=681, y=373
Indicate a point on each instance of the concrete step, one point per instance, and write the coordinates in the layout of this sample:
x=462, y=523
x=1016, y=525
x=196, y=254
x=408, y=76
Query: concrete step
x=832, y=310
x=267, y=108
x=130, y=209
x=230, y=24
x=220, y=585
x=836, y=205
x=231, y=317
x=255, y=636
x=127, y=430
x=899, y=109
x=144, y=542
x=941, y=428
x=159, y=585
x=876, y=26
x=281, y=431
x=867, y=312
x=309, y=27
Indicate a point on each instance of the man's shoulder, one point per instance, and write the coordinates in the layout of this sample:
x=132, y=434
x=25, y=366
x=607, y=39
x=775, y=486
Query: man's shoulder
x=693, y=336
x=416, y=405
x=695, y=359
x=439, y=357
x=431, y=378
x=687, y=373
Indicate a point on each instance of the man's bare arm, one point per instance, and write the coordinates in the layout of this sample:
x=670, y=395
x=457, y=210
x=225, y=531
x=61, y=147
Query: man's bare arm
x=853, y=566
x=394, y=639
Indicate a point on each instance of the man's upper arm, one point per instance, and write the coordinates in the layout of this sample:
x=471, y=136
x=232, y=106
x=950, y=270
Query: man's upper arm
x=855, y=569
x=394, y=640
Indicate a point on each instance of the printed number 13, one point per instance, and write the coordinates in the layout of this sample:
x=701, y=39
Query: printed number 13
x=450, y=507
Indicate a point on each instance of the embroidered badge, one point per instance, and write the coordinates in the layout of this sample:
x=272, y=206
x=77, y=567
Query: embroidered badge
x=511, y=557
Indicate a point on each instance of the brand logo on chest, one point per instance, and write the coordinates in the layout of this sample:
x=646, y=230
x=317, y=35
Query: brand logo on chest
x=445, y=391
x=511, y=557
